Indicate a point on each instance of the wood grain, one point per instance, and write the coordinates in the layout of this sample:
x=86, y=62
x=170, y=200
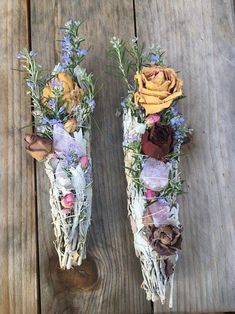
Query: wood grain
x=18, y=255
x=199, y=39
x=116, y=288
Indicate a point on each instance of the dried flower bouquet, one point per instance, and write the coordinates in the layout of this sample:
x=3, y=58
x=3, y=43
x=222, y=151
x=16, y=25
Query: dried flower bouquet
x=63, y=102
x=153, y=134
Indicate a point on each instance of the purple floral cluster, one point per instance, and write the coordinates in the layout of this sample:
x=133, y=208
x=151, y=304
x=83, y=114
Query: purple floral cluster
x=72, y=54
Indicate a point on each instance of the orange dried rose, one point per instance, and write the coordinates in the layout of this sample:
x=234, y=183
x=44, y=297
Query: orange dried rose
x=37, y=146
x=158, y=87
x=72, y=93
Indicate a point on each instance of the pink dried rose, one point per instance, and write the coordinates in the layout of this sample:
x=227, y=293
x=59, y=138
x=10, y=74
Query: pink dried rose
x=151, y=119
x=157, y=214
x=149, y=194
x=67, y=210
x=154, y=174
x=68, y=200
x=84, y=161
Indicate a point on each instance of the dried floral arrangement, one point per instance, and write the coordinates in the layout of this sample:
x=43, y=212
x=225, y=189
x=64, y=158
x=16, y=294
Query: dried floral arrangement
x=154, y=131
x=62, y=106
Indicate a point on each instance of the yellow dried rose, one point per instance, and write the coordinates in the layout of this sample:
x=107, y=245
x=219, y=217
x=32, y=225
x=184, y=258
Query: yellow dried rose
x=72, y=93
x=157, y=88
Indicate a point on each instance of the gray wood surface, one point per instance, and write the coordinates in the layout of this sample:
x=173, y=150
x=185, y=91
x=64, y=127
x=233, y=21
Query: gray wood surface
x=199, y=39
x=18, y=255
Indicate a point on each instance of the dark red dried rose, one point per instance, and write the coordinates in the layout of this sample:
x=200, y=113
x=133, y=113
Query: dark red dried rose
x=165, y=240
x=158, y=142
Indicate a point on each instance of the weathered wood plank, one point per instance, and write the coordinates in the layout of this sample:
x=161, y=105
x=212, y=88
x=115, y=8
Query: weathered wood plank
x=18, y=256
x=110, y=244
x=199, y=39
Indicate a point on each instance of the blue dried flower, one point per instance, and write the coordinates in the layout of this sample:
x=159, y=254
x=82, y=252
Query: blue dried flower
x=162, y=201
x=174, y=110
x=44, y=120
x=72, y=147
x=66, y=59
x=154, y=58
x=51, y=122
x=20, y=55
x=91, y=103
x=53, y=83
x=82, y=52
x=33, y=53
x=57, y=85
x=30, y=84
x=61, y=110
x=131, y=139
x=65, y=41
x=177, y=121
x=52, y=102
x=54, y=122
x=178, y=135
x=123, y=104
x=66, y=45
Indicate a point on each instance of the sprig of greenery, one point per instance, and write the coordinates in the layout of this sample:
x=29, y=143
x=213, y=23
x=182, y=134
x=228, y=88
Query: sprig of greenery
x=119, y=53
x=132, y=58
x=86, y=82
x=128, y=103
x=174, y=186
x=182, y=132
x=72, y=55
x=137, y=54
x=136, y=168
x=185, y=133
x=166, y=116
x=156, y=55
x=35, y=80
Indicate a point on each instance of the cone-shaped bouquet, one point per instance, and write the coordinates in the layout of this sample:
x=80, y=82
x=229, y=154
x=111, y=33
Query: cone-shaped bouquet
x=62, y=105
x=153, y=134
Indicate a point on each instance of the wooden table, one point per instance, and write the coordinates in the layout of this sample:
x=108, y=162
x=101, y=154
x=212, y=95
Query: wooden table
x=199, y=39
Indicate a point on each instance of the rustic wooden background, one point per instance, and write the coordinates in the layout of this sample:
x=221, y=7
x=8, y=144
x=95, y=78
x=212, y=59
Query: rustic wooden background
x=199, y=39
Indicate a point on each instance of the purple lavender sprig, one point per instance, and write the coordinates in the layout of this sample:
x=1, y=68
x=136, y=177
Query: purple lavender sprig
x=72, y=53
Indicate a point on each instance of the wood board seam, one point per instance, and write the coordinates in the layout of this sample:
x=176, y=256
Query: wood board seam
x=28, y=3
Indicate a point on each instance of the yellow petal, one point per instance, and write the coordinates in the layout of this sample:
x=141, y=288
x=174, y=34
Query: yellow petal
x=148, y=99
x=139, y=78
x=46, y=92
x=153, y=108
x=173, y=81
x=146, y=91
x=173, y=96
x=159, y=78
x=152, y=86
x=67, y=81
